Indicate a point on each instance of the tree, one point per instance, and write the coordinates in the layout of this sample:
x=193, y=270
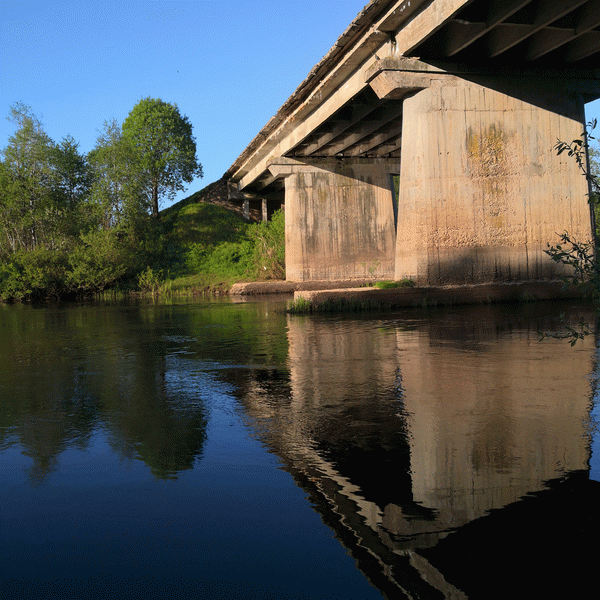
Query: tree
x=27, y=202
x=581, y=257
x=163, y=147
x=117, y=194
x=72, y=176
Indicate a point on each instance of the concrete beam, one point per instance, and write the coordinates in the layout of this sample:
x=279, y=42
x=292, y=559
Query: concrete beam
x=425, y=24
x=340, y=73
x=412, y=74
x=294, y=130
x=284, y=167
x=506, y=36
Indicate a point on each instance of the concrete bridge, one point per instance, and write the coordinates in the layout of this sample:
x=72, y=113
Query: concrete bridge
x=421, y=145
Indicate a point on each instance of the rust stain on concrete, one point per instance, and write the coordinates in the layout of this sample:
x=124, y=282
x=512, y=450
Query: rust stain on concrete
x=486, y=153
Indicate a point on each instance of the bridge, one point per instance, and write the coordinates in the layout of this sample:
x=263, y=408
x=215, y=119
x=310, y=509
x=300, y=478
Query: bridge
x=422, y=144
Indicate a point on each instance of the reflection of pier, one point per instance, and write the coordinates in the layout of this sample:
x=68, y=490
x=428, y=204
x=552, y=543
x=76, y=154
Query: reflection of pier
x=403, y=436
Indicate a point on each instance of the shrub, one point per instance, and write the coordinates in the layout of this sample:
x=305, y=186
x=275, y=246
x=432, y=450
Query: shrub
x=37, y=274
x=389, y=285
x=97, y=263
x=269, y=247
x=228, y=259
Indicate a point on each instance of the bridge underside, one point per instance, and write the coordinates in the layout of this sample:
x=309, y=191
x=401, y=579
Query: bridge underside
x=443, y=171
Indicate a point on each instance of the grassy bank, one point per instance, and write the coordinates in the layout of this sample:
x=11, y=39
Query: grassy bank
x=195, y=248
x=215, y=248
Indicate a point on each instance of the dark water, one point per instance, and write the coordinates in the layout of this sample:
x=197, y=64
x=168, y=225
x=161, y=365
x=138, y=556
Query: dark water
x=231, y=451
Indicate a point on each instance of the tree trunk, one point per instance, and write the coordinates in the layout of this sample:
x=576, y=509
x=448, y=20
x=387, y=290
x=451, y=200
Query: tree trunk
x=155, y=200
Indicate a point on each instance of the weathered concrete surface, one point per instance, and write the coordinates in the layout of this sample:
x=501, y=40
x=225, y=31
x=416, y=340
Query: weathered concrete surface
x=482, y=191
x=428, y=296
x=339, y=219
x=260, y=288
x=465, y=100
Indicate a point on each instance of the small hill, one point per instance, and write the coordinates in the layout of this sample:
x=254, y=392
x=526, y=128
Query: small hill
x=207, y=224
x=215, y=193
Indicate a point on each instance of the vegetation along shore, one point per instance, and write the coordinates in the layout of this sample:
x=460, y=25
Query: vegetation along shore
x=76, y=226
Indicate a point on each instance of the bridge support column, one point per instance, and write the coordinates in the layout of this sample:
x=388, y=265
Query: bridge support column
x=339, y=218
x=482, y=190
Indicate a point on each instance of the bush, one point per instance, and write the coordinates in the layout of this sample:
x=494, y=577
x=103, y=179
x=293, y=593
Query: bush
x=228, y=259
x=269, y=247
x=38, y=274
x=149, y=281
x=97, y=263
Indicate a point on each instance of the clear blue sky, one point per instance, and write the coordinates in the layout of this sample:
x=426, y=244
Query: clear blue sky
x=228, y=64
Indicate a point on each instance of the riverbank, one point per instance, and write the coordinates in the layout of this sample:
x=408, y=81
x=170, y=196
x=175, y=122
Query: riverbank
x=316, y=296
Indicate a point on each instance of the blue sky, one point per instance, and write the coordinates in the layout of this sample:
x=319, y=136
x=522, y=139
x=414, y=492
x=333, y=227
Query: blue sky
x=228, y=64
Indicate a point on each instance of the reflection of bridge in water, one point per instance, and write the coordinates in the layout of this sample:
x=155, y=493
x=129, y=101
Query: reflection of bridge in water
x=410, y=438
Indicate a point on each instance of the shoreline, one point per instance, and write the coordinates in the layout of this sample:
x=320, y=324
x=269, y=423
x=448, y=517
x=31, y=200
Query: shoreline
x=318, y=293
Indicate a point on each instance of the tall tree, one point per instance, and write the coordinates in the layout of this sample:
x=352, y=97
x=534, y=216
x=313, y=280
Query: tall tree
x=27, y=199
x=117, y=192
x=72, y=176
x=163, y=147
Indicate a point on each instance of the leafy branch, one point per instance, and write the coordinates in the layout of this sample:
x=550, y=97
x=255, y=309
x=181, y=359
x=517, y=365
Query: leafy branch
x=579, y=256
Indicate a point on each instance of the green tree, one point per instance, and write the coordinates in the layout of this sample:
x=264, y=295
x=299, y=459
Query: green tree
x=581, y=257
x=164, y=149
x=117, y=192
x=27, y=202
x=72, y=173
x=594, y=158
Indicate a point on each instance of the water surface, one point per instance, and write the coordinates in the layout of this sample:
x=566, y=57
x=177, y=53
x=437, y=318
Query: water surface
x=220, y=450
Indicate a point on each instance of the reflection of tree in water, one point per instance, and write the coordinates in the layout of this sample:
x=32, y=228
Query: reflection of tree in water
x=70, y=370
x=167, y=439
x=132, y=369
x=159, y=424
x=48, y=412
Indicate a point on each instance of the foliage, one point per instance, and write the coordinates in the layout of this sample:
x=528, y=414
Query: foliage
x=269, y=247
x=36, y=274
x=149, y=281
x=75, y=226
x=96, y=263
x=31, y=211
x=163, y=149
x=387, y=285
x=578, y=149
x=301, y=306
x=116, y=196
x=72, y=173
x=580, y=257
x=231, y=259
x=220, y=242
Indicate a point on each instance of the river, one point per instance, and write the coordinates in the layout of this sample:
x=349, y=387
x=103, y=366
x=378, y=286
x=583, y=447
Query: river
x=229, y=450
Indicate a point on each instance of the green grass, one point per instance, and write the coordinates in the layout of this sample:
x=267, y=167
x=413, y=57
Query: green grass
x=208, y=225
x=302, y=306
x=389, y=285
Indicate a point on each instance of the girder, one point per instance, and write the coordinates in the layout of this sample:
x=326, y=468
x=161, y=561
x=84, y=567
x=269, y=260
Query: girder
x=510, y=32
x=334, y=112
